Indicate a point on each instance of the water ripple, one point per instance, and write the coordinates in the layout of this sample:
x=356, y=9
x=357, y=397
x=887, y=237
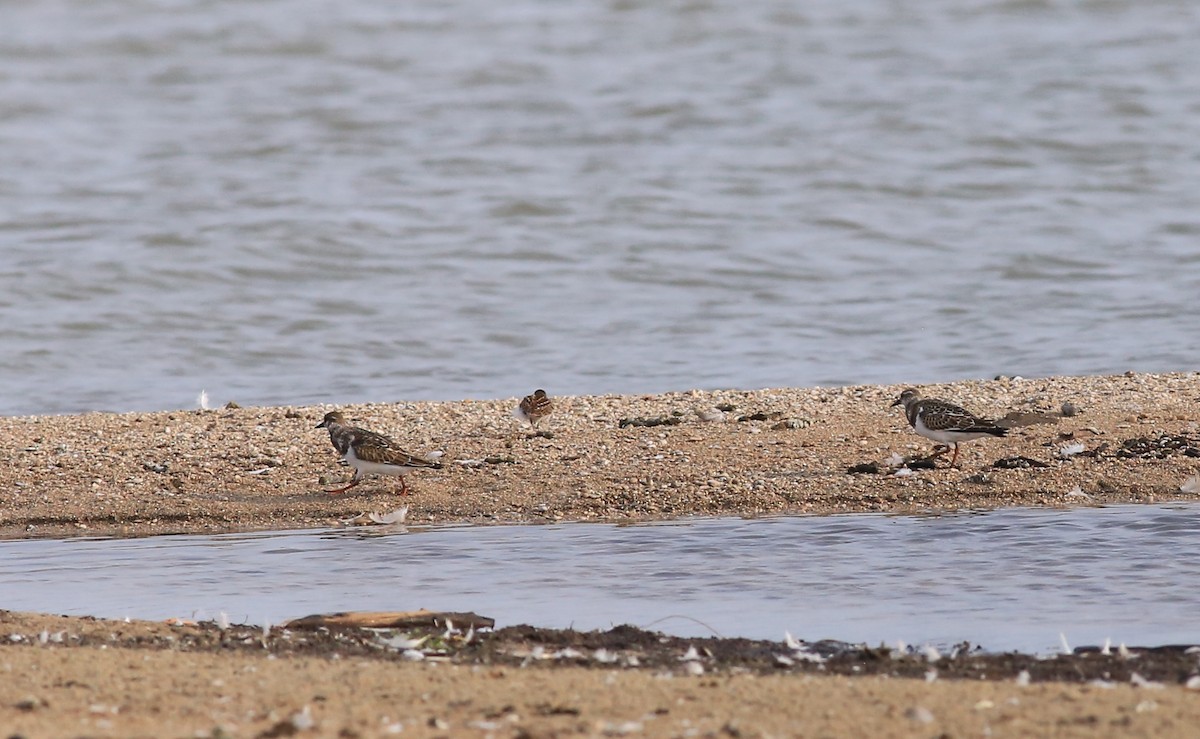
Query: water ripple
x=825, y=181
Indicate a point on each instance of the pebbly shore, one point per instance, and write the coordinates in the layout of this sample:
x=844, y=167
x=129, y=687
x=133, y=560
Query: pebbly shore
x=1073, y=441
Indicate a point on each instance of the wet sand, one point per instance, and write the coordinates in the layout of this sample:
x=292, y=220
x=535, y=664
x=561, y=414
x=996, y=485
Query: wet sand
x=67, y=677
x=1128, y=438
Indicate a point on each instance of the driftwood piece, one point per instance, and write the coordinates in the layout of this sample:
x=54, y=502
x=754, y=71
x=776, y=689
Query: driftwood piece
x=391, y=620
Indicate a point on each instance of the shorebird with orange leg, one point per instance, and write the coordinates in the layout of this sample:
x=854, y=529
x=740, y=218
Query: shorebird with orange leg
x=945, y=422
x=370, y=453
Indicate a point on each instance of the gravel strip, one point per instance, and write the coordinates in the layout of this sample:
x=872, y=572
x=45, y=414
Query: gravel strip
x=1075, y=441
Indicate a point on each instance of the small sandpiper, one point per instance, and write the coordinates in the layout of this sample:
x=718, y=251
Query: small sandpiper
x=945, y=422
x=533, y=408
x=370, y=453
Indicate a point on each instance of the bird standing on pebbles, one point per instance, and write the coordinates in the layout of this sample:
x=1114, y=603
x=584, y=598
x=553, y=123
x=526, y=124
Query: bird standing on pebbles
x=945, y=422
x=370, y=453
x=533, y=408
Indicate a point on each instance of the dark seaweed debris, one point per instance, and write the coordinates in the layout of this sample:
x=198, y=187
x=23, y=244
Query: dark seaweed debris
x=913, y=463
x=761, y=416
x=1165, y=445
x=630, y=647
x=650, y=422
x=865, y=468
x=1018, y=463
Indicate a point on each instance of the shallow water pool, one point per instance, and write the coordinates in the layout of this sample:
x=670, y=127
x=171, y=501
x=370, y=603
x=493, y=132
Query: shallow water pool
x=1008, y=579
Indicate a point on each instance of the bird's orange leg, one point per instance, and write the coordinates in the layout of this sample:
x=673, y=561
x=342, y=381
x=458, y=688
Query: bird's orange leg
x=353, y=482
x=955, y=457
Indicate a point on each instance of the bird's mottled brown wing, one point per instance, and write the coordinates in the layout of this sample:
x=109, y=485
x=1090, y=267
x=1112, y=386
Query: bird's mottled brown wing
x=938, y=415
x=363, y=438
x=372, y=447
x=536, y=406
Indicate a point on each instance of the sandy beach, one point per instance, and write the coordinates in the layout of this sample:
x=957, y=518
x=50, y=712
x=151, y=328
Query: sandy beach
x=70, y=677
x=1073, y=441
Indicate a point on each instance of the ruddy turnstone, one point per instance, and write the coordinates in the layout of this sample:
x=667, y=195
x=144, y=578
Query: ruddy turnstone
x=370, y=453
x=533, y=408
x=945, y=422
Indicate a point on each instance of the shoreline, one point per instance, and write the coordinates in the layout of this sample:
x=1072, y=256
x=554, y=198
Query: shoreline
x=245, y=469
x=68, y=677
x=703, y=453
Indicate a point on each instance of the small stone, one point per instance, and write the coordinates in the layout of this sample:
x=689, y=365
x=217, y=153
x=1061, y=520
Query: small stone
x=792, y=423
x=920, y=714
x=30, y=703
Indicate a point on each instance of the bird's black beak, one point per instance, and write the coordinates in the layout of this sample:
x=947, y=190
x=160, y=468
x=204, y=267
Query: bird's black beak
x=896, y=402
x=321, y=425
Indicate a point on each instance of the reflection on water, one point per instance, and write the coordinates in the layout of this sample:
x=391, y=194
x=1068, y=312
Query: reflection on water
x=1010, y=579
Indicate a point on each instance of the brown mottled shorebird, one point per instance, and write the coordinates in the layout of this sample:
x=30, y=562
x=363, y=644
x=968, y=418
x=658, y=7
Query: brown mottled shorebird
x=533, y=408
x=945, y=422
x=370, y=453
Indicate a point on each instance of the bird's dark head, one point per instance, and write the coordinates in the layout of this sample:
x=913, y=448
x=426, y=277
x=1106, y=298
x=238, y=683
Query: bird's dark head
x=908, y=396
x=331, y=418
x=539, y=393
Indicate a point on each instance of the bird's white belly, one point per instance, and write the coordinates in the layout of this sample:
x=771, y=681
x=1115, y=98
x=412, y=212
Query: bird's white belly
x=372, y=468
x=945, y=436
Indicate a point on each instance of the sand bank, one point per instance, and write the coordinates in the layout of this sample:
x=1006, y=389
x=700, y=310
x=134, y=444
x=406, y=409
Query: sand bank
x=1131, y=438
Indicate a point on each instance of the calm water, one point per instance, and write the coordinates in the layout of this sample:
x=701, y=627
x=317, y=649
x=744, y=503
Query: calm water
x=1012, y=579
x=303, y=201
